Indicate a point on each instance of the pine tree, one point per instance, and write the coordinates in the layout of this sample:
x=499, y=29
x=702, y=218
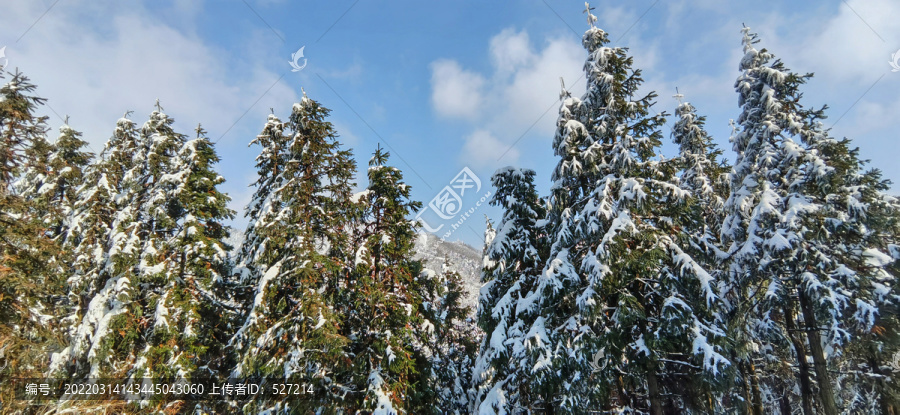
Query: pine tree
x=704, y=176
x=193, y=260
x=618, y=296
x=384, y=298
x=450, y=340
x=126, y=311
x=865, y=379
x=88, y=233
x=294, y=255
x=503, y=370
x=50, y=178
x=144, y=272
x=151, y=197
x=36, y=175
x=53, y=175
x=807, y=261
x=69, y=162
x=28, y=284
x=201, y=261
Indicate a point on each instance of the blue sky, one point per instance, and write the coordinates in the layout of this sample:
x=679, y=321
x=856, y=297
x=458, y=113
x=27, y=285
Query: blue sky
x=443, y=87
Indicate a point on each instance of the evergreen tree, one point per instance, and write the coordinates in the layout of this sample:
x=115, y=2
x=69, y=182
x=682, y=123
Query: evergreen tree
x=144, y=273
x=294, y=255
x=384, y=298
x=53, y=175
x=49, y=182
x=865, y=379
x=450, y=341
x=807, y=259
x=200, y=259
x=28, y=283
x=124, y=316
x=503, y=370
x=93, y=285
x=192, y=263
x=36, y=175
x=151, y=197
x=69, y=162
x=704, y=176
x=618, y=295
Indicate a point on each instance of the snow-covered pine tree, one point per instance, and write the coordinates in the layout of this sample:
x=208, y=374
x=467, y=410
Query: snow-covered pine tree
x=450, y=339
x=807, y=262
x=705, y=177
x=36, y=173
x=866, y=377
x=293, y=256
x=618, y=296
x=27, y=283
x=52, y=176
x=68, y=163
x=93, y=284
x=197, y=282
x=126, y=311
x=189, y=323
x=151, y=202
x=137, y=300
x=383, y=299
x=502, y=377
x=761, y=351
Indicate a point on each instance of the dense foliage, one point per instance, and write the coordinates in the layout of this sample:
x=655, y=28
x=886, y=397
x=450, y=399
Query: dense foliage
x=639, y=284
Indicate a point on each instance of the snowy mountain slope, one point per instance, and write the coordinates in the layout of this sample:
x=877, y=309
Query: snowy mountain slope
x=432, y=251
x=461, y=257
x=235, y=239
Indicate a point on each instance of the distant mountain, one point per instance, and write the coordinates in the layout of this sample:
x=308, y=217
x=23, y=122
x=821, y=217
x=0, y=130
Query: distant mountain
x=235, y=239
x=461, y=257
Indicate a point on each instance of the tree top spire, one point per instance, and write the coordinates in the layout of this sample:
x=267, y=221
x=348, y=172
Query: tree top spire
x=200, y=131
x=590, y=17
x=678, y=96
x=563, y=92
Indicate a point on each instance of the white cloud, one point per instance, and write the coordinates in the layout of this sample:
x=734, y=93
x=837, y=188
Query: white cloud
x=510, y=50
x=351, y=73
x=616, y=20
x=848, y=56
x=481, y=149
x=837, y=44
x=535, y=87
x=457, y=93
x=701, y=59
x=95, y=69
x=846, y=48
x=95, y=74
x=524, y=84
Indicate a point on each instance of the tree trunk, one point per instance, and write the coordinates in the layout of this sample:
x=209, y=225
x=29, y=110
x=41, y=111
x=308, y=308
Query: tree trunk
x=806, y=393
x=757, y=408
x=745, y=376
x=826, y=391
x=653, y=390
x=783, y=401
x=886, y=407
x=624, y=398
